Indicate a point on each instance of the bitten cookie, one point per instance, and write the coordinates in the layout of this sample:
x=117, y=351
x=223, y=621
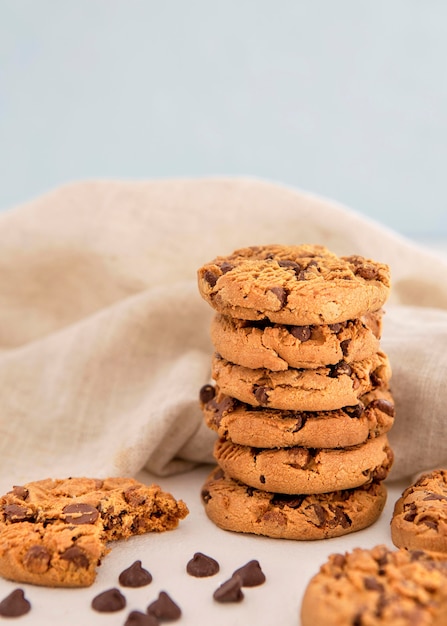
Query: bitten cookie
x=319, y=389
x=419, y=519
x=233, y=506
x=297, y=285
x=54, y=532
x=278, y=347
x=260, y=427
x=377, y=587
x=305, y=470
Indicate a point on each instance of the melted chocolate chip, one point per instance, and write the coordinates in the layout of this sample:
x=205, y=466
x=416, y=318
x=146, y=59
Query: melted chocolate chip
x=202, y=566
x=341, y=518
x=136, y=618
x=434, y=496
x=339, y=369
x=300, y=421
x=135, y=576
x=80, y=513
x=164, y=608
x=37, y=559
x=109, y=601
x=335, y=328
x=321, y=514
x=206, y=393
x=383, y=405
x=302, y=333
x=261, y=395
x=134, y=496
x=15, y=605
x=281, y=294
x=356, y=411
x=16, y=513
x=229, y=591
x=344, y=345
x=251, y=574
x=76, y=556
x=283, y=499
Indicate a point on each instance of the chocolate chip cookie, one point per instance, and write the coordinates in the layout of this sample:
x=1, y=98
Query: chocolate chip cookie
x=278, y=347
x=319, y=389
x=261, y=427
x=305, y=470
x=55, y=532
x=419, y=519
x=296, y=285
x=377, y=587
x=234, y=506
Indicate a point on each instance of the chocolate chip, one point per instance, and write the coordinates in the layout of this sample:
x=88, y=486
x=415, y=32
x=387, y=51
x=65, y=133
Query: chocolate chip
x=229, y=591
x=339, y=369
x=205, y=495
x=262, y=479
x=375, y=378
x=429, y=521
x=20, y=492
x=335, y=328
x=75, y=555
x=341, y=518
x=303, y=333
x=344, y=345
x=15, y=605
x=372, y=584
x=202, y=566
x=283, y=499
x=37, y=559
x=80, y=513
x=164, y=608
x=134, y=496
x=109, y=601
x=210, y=278
x=206, y=393
x=320, y=513
x=251, y=574
x=368, y=272
x=16, y=513
x=261, y=394
x=136, y=618
x=356, y=411
x=383, y=405
x=434, y=496
x=281, y=294
x=135, y=576
x=291, y=264
x=300, y=421
x=226, y=267
x=227, y=405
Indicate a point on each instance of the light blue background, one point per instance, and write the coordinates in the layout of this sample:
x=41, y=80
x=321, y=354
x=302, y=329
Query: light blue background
x=345, y=98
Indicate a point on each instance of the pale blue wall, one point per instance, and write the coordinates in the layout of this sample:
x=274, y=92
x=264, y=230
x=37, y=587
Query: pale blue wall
x=346, y=98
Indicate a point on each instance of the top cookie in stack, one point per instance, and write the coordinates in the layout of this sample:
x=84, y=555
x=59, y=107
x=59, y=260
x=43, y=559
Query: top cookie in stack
x=297, y=363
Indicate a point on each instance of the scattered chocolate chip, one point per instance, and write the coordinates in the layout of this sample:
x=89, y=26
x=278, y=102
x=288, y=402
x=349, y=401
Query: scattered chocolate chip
x=251, y=574
x=136, y=618
x=281, y=294
x=75, y=555
x=303, y=333
x=383, y=405
x=164, y=608
x=109, y=601
x=210, y=278
x=340, y=369
x=202, y=566
x=15, y=605
x=135, y=576
x=37, y=559
x=261, y=394
x=80, y=513
x=20, y=492
x=16, y=513
x=229, y=591
x=206, y=393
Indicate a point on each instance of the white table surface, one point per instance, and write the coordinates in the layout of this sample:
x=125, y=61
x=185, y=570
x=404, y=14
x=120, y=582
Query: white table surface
x=288, y=566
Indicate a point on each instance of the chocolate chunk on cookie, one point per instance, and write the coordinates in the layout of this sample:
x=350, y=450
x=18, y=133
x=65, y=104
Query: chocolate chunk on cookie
x=55, y=532
x=296, y=285
x=305, y=470
x=419, y=519
x=377, y=586
x=278, y=347
x=261, y=427
x=319, y=389
x=234, y=506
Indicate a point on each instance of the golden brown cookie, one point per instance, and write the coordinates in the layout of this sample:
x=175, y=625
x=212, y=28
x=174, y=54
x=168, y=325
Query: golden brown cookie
x=319, y=389
x=305, y=470
x=419, y=519
x=233, y=506
x=377, y=587
x=300, y=285
x=261, y=427
x=278, y=347
x=54, y=532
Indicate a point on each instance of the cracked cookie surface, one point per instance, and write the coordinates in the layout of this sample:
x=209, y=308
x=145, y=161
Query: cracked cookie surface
x=54, y=532
x=234, y=506
x=305, y=470
x=377, y=587
x=261, y=427
x=278, y=347
x=419, y=519
x=297, y=285
x=319, y=389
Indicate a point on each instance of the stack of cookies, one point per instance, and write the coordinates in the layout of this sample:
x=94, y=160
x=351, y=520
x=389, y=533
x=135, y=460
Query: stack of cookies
x=301, y=401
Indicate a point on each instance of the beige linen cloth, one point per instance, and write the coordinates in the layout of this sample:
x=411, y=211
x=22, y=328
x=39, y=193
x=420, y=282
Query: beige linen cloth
x=104, y=339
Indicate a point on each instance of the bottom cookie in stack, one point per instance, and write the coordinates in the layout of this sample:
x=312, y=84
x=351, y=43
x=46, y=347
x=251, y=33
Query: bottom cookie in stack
x=234, y=506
